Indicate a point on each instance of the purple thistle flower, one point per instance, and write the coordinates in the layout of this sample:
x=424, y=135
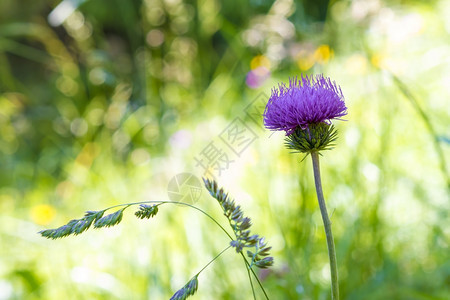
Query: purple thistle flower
x=311, y=100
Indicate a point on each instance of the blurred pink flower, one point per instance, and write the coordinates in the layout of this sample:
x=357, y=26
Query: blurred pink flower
x=256, y=77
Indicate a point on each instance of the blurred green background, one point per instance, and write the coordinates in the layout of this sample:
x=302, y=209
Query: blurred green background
x=104, y=102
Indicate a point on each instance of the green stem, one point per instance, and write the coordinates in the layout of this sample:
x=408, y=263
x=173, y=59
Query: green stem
x=211, y=261
x=327, y=225
x=251, y=283
x=254, y=275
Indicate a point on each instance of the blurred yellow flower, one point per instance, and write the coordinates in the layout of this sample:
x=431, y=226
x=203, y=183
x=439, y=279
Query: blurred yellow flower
x=306, y=61
x=386, y=62
x=377, y=60
x=260, y=61
x=42, y=214
x=88, y=154
x=323, y=54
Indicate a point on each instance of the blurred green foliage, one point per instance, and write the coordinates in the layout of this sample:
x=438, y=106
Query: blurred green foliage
x=103, y=102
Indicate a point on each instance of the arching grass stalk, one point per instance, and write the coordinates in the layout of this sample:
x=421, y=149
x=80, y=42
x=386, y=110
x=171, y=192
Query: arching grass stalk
x=248, y=265
x=304, y=110
x=149, y=209
x=190, y=288
x=435, y=137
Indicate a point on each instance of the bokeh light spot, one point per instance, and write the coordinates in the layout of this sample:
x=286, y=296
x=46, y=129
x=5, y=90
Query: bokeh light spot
x=155, y=38
x=140, y=157
x=97, y=76
x=79, y=127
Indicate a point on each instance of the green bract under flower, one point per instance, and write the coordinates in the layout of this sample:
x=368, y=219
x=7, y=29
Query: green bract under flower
x=315, y=138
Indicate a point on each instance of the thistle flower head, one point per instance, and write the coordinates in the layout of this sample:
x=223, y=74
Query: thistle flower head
x=310, y=100
x=304, y=110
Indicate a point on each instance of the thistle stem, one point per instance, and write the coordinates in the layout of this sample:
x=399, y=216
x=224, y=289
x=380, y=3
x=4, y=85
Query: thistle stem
x=327, y=225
